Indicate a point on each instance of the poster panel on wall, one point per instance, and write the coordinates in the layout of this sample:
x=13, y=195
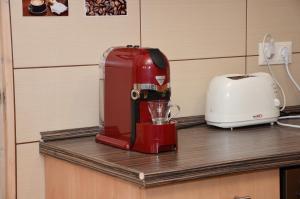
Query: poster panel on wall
x=45, y=7
x=105, y=7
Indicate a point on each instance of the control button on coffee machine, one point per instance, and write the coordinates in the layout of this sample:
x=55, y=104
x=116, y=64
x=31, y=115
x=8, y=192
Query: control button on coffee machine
x=135, y=94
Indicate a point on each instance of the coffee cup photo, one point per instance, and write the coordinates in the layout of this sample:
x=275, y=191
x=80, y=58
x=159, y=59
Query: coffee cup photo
x=37, y=7
x=45, y=7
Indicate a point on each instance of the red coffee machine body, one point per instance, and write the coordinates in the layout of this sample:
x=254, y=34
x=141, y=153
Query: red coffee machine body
x=133, y=76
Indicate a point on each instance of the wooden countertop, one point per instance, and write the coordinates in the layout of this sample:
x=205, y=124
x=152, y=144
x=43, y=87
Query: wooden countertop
x=202, y=152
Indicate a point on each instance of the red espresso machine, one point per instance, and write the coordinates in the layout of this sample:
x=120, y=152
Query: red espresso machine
x=132, y=77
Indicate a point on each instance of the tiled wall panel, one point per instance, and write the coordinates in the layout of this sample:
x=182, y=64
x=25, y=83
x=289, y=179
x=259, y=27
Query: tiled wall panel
x=292, y=94
x=278, y=17
x=55, y=98
x=30, y=172
x=196, y=28
x=190, y=79
x=72, y=40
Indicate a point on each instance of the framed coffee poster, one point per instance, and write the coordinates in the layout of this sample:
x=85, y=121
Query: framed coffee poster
x=45, y=7
x=105, y=7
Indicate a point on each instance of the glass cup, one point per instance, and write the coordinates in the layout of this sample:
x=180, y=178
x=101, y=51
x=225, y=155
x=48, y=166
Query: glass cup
x=160, y=111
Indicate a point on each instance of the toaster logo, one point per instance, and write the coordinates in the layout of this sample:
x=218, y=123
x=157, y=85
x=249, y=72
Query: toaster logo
x=258, y=116
x=160, y=79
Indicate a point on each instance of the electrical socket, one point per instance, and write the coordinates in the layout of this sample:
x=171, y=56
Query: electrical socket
x=276, y=58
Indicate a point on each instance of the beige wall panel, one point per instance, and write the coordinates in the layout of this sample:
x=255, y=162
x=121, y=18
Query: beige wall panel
x=55, y=98
x=73, y=40
x=292, y=94
x=196, y=28
x=278, y=17
x=190, y=79
x=30, y=172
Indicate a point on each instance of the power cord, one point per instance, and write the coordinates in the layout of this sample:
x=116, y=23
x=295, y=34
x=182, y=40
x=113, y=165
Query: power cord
x=285, y=55
x=268, y=53
x=288, y=117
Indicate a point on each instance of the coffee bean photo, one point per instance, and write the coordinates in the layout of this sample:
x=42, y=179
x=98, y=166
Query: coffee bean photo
x=105, y=7
x=45, y=8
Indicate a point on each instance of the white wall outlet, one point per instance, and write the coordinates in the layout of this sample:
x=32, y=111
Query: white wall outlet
x=276, y=58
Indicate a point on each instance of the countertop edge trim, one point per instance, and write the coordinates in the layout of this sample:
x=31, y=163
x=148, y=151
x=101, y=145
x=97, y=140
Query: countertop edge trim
x=69, y=133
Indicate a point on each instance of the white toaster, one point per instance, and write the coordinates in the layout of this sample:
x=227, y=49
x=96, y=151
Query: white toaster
x=236, y=100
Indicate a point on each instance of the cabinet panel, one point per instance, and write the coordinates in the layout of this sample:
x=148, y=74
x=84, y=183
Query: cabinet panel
x=30, y=172
x=290, y=183
x=256, y=185
x=69, y=181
